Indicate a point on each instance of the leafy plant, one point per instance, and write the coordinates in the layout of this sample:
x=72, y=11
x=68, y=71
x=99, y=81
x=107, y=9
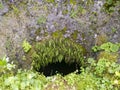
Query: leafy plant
x=102, y=73
x=108, y=47
x=55, y=50
x=23, y=80
x=5, y=65
x=26, y=46
x=109, y=5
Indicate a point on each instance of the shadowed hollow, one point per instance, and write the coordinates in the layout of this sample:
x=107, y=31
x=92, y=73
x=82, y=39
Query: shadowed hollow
x=59, y=67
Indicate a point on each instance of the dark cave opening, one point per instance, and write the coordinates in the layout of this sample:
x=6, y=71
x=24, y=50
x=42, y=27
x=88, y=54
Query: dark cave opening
x=61, y=68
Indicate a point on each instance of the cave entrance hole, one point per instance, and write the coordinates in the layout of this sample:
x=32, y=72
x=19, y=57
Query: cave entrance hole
x=62, y=68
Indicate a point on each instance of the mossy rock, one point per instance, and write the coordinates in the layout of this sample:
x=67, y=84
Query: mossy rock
x=55, y=50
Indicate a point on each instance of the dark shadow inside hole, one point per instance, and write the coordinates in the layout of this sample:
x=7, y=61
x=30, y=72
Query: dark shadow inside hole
x=60, y=67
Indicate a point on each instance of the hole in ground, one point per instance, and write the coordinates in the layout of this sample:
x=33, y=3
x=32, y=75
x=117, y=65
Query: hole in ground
x=59, y=67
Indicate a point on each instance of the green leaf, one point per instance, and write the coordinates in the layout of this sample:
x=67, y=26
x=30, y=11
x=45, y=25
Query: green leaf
x=2, y=63
x=114, y=48
x=26, y=46
x=60, y=57
x=96, y=48
x=57, y=52
x=106, y=46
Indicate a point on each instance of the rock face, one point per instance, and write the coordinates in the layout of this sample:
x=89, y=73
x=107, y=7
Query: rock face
x=34, y=20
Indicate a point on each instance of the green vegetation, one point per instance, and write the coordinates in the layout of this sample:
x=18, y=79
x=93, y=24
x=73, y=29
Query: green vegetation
x=15, y=9
x=24, y=80
x=109, y=5
x=114, y=30
x=100, y=74
x=73, y=2
x=108, y=47
x=41, y=20
x=50, y=1
x=5, y=65
x=74, y=35
x=55, y=50
x=1, y=5
x=26, y=46
x=80, y=11
x=100, y=39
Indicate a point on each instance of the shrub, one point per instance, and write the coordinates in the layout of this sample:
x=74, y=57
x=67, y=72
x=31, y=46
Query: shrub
x=23, y=80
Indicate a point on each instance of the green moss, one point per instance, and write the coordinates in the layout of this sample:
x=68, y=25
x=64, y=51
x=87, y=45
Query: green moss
x=112, y=57
x=100, y=39
x=15, y=10
x=45, y=7
x=64, y=30
x=73, y=2
x=109, y=5
x=80, y=11
x=46, y=34
x=57, y=34
x=38, y=31
x=1, y=5
x=65, y=12
x=50, y=1
x=114, y=30
x=55, y=50
x=90, y=2
x=86, y=82
x=74, y=35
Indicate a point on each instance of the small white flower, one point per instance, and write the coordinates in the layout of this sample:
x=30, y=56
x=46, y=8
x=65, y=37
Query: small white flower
x=7, y=59
x=10, y=66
